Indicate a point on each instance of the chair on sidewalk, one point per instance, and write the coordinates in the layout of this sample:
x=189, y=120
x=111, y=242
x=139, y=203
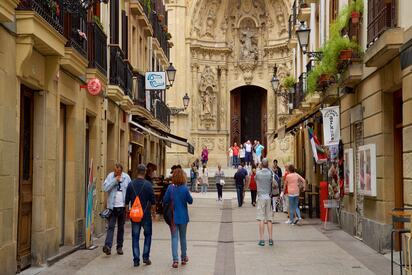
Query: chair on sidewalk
x=399, y=217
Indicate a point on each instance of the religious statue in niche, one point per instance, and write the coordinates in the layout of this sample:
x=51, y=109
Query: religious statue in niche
x=207, y=89
x=211, y=19
x=248, y=43
x=280, y=18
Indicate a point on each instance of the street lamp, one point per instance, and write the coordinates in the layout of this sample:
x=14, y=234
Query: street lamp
x=171, y=75
x=303, y=34
x=275, y=80
x=277, y=88
x=175, y=111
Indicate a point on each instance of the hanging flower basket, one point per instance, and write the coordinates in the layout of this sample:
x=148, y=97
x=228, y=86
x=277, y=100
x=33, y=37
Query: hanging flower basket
x=346, y=55
x=355, y=17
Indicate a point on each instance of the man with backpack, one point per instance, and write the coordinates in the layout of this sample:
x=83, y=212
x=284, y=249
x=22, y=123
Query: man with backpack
x=142, y=189
x=115, y=185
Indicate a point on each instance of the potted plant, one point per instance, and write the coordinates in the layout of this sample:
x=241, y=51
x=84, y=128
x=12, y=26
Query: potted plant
x=345, y=55
x=289, y=83
x=168, y=36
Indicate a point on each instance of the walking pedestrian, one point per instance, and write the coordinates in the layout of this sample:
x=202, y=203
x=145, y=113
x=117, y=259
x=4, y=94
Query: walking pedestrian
x=252, y=185
x=205, y=180
x=115, y=185
x=294, y=182
x=144, y=190
x=219, y=179
x=242, y=154
x=178, y=194
x=284, y=194
x=193, y=178
x=240, y=177
x=254, y=152
x=204, y=156
x=151, y=169
x=235, y=150
x=264, y=182
x=248, y=153
x=259, y=151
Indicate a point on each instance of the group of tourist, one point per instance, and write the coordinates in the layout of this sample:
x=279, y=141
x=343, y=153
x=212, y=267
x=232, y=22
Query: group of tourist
x=123, y=193
x=246, y=153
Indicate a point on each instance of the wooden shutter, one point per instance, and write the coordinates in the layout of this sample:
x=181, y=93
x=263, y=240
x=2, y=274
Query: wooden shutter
x=114, y=21
x=124, y=34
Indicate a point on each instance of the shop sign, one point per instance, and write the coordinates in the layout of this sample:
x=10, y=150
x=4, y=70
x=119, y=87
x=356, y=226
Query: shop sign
x=155, y=81
x=94, y=86
x=331, y=125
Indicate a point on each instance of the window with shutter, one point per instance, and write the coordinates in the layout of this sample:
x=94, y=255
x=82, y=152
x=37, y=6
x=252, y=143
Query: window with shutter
x=124, y=34
x=114, y=21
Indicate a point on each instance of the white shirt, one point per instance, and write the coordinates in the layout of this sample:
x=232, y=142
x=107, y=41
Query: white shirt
x=118, y=199
x=248, y=147
x=242, y=153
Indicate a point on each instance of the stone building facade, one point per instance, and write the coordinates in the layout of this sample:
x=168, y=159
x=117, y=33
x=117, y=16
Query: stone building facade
x=373, y=93
x=225, y=52
x=52, y=128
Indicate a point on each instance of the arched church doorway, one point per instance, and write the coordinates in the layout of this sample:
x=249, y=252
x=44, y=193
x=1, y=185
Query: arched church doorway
x=248, y=114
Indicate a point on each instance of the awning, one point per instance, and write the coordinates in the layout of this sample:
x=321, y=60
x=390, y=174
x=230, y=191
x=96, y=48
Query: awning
x=295, y=122
x=167, y=137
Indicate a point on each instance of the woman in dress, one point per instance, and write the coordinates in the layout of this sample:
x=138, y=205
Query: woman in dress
x=179, y=196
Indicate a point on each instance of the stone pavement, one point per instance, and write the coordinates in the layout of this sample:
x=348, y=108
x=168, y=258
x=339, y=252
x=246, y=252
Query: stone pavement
x=222, y=239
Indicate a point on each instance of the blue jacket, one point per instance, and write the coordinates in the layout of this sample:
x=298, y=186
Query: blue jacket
x=110, y=186
x=180, y=196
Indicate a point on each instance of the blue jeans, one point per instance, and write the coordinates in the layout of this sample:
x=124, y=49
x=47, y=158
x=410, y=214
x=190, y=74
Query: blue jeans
x=294, y=207
x=203, y=188
x=235, y=161
x=179, y=231
x=239, y=192
x=147, y=232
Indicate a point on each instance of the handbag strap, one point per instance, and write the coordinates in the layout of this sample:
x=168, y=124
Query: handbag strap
x=141, y=189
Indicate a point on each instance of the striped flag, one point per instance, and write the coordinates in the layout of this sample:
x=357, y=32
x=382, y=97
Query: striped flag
x=318, y=152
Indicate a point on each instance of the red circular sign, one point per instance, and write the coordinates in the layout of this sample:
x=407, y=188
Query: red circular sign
x=94, y=86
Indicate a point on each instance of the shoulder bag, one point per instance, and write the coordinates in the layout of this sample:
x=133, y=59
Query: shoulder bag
x=168, y=209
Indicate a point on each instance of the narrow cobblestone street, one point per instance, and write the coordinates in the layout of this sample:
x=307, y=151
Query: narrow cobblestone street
x=222, y=239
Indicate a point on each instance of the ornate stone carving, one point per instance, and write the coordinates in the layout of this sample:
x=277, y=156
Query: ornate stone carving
x=208, y=90
x=285, y=144
x=221, y=145
x=210, y=23
x=280, y=18
x=247, y=68
x=209, y=142
x=248, y=40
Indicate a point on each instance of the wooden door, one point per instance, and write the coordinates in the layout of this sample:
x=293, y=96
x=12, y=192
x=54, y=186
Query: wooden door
x=235, y=116
x=25, y=179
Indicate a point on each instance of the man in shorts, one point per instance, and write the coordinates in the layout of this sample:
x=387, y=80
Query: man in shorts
x=264, y=182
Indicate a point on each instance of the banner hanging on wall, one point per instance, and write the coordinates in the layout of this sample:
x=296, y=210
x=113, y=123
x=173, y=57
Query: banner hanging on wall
x=331, y=125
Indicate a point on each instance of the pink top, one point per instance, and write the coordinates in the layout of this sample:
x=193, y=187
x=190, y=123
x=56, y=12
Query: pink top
x=292, y=182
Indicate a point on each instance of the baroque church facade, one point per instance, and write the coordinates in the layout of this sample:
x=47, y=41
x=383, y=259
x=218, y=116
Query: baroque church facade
x=224, y=52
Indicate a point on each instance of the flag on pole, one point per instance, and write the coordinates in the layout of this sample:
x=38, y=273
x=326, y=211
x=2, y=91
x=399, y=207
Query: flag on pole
x=318, y=152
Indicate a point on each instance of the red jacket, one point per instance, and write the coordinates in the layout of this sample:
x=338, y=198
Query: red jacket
x=252, y=185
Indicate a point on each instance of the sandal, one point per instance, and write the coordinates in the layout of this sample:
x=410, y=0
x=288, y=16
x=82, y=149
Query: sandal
x=270, y=242
x=175, y=265
x=261, y=243
x=185, y=260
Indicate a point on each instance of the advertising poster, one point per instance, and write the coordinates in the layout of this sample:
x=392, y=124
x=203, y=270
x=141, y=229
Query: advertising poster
x=367, y=169
x=331, y=125
x=348, y=169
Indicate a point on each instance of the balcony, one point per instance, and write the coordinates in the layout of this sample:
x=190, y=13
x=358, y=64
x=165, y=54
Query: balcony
x=97, y=47
x=160, y=35
x=43, y=25
x=162, y=112
x=139, y=93
x=384, y=38
x=117, y=76
x=143, y=10
x=300, y=91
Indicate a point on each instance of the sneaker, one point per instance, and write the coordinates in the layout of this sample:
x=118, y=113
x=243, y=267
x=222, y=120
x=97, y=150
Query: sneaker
x=107, y=250
x=288, y=222
x=261, y=243
x=271, y=242
x=119, y=251
x=147, y=262
x=175, y=265
x=297, y=220
x=136, y=264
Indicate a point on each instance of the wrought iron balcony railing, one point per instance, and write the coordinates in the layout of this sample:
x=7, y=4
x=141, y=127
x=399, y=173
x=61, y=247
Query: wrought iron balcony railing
x=300, y=91
x=381, y=17
x=48, y=10
x=97, y=40
x=162, y=112
x=117, y=67
x=128, y=74
x=139, y=90
x=75, y=30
